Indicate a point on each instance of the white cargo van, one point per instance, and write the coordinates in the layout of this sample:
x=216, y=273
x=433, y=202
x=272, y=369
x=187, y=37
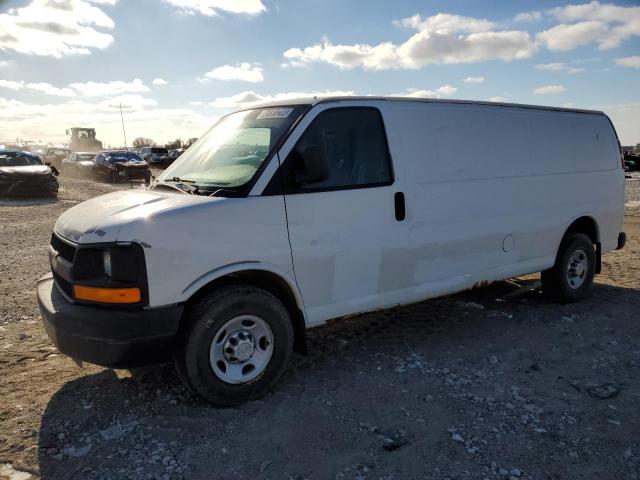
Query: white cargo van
x=284, y=216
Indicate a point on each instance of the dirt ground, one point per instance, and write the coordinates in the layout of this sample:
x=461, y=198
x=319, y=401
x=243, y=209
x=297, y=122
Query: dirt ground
x=492, y=383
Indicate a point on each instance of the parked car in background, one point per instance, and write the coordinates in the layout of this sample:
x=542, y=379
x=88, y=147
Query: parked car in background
x=38, y=149
x=155, y=156
x=22, y=173
x=15, y=147
x=78, y=163
x=120, y=165
x=174, y=154
x=632, y=162
x=54, y=156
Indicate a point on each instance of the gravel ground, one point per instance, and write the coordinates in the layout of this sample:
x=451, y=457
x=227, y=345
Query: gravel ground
x=491, y=383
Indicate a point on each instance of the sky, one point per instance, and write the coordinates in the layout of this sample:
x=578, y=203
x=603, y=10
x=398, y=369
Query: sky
x=176, y=66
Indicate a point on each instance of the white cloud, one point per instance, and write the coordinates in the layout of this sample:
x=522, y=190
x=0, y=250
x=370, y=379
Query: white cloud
x=245, y=72
x=250, y=98
x=212, y=7
x=117, y=87
x=625, y=119
x=443, y=91
x=473, y=80
x=41, y=87
x=444, y=22
x=141, y=116
x=498, y=99
x=607, y=25
x=442, y=38
x=49, y=89
x=568, y=37
x=56, y=29
x=447, y=90
x=633, y=62
x=549, y=89
x=532, y=16
x=11, y=84
x=159, y=81
x=559, y=67
x=128, y=102
x=197, y=103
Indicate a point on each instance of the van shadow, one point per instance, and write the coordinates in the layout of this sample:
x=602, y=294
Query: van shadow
x=143, y=423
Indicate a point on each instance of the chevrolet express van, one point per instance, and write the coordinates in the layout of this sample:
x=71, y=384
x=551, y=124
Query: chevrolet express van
x=284, y=216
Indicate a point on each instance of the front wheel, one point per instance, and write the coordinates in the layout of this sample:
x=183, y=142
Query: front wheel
x=235, y=345
x=572, y=274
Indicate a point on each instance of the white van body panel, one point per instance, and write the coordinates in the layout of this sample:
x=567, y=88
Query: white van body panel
x=188, y=240
x=191, y=247
x=349, y=251
x=492, y=189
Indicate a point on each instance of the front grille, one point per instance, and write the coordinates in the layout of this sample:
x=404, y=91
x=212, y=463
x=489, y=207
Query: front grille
x=65, y=286
x=65, y=250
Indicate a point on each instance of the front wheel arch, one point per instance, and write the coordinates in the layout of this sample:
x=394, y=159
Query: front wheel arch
x=266, y=280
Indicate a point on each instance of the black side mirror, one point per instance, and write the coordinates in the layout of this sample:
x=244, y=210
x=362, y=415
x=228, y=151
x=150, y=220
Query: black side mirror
x=314, y=166
x=48, y=164
x=54, y=170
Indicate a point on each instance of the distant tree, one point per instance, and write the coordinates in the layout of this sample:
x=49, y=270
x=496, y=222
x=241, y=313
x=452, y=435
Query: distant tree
x=143, y=142
x=637, y=149
x=177, y=143
x=189, y=142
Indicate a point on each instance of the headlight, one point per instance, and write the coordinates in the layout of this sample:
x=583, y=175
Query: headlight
x=114, y=274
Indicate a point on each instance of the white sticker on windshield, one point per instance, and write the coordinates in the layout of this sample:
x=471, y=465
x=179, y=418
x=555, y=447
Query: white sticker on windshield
x=274, y=113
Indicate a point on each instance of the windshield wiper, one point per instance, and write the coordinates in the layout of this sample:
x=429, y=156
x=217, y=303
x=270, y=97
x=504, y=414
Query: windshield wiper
x=184, y=185
x=228, y=191
x=181, y=180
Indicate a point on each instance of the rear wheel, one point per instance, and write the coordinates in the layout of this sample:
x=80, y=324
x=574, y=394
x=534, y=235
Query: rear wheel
x=235, y=345
x=572, y=274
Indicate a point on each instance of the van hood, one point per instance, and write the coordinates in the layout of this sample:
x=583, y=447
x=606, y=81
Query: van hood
x=100, y=219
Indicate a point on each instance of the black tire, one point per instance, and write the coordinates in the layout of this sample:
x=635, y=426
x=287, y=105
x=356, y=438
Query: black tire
x=556, y=284
x=202, y=327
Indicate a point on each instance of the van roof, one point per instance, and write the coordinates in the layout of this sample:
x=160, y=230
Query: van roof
x=318, y=100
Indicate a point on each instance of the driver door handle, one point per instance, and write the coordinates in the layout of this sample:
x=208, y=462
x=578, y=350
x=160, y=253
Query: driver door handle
x=401, y=210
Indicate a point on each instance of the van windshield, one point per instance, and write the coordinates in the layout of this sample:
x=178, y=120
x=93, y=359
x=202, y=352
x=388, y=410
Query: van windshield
x=232, y=151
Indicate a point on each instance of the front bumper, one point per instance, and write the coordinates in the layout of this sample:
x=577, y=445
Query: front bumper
x=133, y=173
x=116, y=338
x=17, y=188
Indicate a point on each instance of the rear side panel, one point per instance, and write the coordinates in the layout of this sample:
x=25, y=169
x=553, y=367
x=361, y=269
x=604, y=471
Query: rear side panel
x=492, y=189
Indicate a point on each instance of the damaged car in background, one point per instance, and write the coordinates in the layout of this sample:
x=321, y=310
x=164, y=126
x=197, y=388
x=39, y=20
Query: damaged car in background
x=157, y=156
x=120, y=165
x=23, y=173
x=54, y=156
x=78, y=164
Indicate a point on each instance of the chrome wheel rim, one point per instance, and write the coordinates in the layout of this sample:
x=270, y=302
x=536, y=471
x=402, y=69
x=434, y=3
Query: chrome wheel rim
x=577, y=268
x=241, y=349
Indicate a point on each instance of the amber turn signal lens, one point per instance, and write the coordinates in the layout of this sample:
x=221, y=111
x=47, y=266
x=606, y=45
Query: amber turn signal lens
x=107, y=295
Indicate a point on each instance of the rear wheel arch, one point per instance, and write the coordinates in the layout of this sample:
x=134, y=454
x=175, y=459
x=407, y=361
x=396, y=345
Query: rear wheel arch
x=272, y=283
x=588, y=226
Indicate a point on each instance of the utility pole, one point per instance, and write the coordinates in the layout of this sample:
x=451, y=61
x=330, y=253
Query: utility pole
x=124, y=133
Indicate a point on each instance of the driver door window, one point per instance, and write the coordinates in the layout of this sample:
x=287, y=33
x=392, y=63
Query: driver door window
x=355, y=145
